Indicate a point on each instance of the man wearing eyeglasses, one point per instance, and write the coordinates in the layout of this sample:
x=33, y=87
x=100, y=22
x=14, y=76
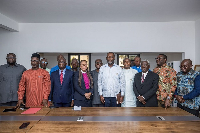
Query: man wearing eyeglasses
x=43, y=64
x=188, y=88
x=36, y=83
x=167, y=81
x=10, y=75
x=96, y=102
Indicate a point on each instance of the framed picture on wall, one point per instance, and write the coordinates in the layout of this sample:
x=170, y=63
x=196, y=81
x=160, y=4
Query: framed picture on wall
x=197, y=67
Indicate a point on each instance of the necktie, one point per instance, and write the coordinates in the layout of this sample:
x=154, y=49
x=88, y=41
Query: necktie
x=61, y=77
x=142, y=79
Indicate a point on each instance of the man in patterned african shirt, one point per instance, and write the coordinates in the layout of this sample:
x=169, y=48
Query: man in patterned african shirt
x=188, y=88
x=167, y=81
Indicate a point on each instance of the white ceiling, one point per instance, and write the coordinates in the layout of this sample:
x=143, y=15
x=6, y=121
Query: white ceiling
x=70, y=11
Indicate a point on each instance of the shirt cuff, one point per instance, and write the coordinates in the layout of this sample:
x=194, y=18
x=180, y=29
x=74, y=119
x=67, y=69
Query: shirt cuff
x=45, y=97
x=20, y=98
x=100, y=93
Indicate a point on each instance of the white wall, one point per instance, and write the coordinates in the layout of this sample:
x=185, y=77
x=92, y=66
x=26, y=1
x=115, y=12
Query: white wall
x=101, y=56
x=52, y=58
x=8, y=23
x=151, y=57
x=98, y=37
x=197, y=43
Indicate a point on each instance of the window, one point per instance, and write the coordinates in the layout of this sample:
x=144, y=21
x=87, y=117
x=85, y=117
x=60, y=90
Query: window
x=80, y=57
x=121, y=57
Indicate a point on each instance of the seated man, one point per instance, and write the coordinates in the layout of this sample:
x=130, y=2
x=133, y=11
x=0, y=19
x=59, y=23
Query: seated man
x=145, y=86
x=62, y=86
x=188, y=88
x=36, y=83
x=56, y=67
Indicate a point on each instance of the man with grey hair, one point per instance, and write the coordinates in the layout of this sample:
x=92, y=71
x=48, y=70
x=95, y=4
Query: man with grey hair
x=145, y=86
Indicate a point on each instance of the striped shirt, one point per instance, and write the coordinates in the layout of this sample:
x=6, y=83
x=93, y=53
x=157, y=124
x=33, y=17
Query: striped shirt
x=37, y=85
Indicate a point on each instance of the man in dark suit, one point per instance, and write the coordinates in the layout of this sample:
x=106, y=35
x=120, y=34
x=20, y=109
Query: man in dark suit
x=145, y=86
x=62, y=86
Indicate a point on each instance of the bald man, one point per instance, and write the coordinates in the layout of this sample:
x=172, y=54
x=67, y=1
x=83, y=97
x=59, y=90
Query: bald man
x=10, y=75
x=53, y=69
x=137, y=63
x=188, y=88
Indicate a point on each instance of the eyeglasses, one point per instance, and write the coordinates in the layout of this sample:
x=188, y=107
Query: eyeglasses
x=45, y=62
x=184, y=66
x=159, y=58
x=34, y=60
x=98, y=63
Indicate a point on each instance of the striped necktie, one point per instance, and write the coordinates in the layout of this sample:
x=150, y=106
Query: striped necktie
x=142, y=79
x=61, y=77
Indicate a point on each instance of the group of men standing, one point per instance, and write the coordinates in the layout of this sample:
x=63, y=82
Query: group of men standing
x=110, y=85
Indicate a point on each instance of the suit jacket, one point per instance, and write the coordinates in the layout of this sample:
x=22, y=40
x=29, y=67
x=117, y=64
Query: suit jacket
x=96, y=96
x=147, y=89
x=79, y=92
x=62, y=93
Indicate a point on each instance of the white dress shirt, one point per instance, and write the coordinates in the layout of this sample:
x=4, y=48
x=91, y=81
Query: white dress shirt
x=145, y=74
x=111, y=81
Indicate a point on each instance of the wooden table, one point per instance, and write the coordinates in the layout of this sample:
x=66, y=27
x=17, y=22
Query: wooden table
x=105, y=120
x=13, y=126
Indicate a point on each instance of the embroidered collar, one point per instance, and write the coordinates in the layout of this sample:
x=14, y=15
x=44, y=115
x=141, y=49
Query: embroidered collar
x=106, y=65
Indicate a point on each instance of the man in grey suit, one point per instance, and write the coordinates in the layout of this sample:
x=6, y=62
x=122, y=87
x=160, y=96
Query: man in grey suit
x=10, y=75
x=96, y=102
x=145, y=86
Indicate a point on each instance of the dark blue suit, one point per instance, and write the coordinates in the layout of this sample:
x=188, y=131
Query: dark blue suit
x=62, y=94
x=79, y=94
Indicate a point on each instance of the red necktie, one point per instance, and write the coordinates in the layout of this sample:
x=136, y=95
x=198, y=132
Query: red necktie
x=61, y=77
x=142, y=79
